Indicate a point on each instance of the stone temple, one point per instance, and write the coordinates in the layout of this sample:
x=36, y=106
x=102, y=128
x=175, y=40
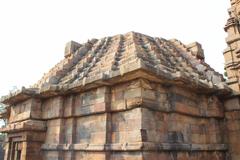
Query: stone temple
x=130, y=97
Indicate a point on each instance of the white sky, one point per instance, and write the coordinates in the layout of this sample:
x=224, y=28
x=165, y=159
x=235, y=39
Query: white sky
x=33, y=33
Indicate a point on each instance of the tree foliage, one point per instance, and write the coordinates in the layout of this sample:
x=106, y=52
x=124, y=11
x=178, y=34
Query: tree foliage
x=2, y=107
x=2, y=121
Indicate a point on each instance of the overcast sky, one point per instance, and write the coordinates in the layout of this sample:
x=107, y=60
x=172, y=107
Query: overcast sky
x=33, y=33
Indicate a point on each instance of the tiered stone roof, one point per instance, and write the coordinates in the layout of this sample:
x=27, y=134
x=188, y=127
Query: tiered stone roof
x=104, y=59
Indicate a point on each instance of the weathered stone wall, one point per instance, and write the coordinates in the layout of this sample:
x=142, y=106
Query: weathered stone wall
x=20, y=111
x=126, y=126
x=129, y=121
x=232, y=114
x=231, y=53
x=134, y=120
x=26, y=130
x=77, y=121
x=91, y=130
x=52, y=108
x=25, y=110
x=28, y=142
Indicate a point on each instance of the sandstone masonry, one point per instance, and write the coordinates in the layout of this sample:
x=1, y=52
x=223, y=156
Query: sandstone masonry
x=129, y=97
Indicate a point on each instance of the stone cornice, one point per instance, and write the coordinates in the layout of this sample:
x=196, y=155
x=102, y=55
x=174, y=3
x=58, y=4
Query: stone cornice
x=28, y=125
x=156, y=75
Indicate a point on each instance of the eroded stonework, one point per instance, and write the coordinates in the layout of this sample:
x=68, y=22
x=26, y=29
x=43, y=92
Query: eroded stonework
x=138, y=119
x=129, y=97
x=231, y=53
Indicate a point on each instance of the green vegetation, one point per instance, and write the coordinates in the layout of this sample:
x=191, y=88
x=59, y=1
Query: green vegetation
x=2, y=107
x=2, y=122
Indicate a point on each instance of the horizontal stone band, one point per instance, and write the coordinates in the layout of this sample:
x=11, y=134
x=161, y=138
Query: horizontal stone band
x=144, y=146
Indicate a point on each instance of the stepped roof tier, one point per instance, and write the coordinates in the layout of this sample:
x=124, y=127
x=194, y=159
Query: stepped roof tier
x=124, y=57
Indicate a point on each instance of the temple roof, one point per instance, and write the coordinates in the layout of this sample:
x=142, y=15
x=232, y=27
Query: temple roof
x=109, y=57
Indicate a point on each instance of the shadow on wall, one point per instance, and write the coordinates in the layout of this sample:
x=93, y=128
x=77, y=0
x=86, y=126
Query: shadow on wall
x=1, y=146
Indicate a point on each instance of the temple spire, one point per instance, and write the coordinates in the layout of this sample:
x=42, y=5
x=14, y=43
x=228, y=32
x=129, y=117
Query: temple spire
x=232, y=52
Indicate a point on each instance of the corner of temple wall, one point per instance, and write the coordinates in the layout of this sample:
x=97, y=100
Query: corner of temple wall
x=232, y=68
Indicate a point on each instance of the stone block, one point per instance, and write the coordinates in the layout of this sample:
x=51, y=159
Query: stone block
x=53, y=131
x=88, y=127
x=182, y=92
x=233, y=137
x=34, y=148
x=118, y=105
x=126, y=126
x=133, y=93
x=68, y=131
x=36, y=136
x=90, y=109
x=126, y=156
x=68, y=105
x=90, y=155
x=134, y=102
x=162, y=99
x=232, y=104
x=68, y=155
x=70, y=48
x=126, y=136
x=186, y=109
x=92, y=102
x=97, y=137
x=156, y=156
x=100, y=107
x=196, y=49
x=36, y=109
x=77, y=101
x=20, y=111
x=175, y=137
x=103, y=90
x=232, y=115
x=149, y=94
x=198, y=138
x=52, y=108
x=116, y=96
x=50, y=155
x=182, y=156
x=88, y=98
x=216, y=112
x=233, y=125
